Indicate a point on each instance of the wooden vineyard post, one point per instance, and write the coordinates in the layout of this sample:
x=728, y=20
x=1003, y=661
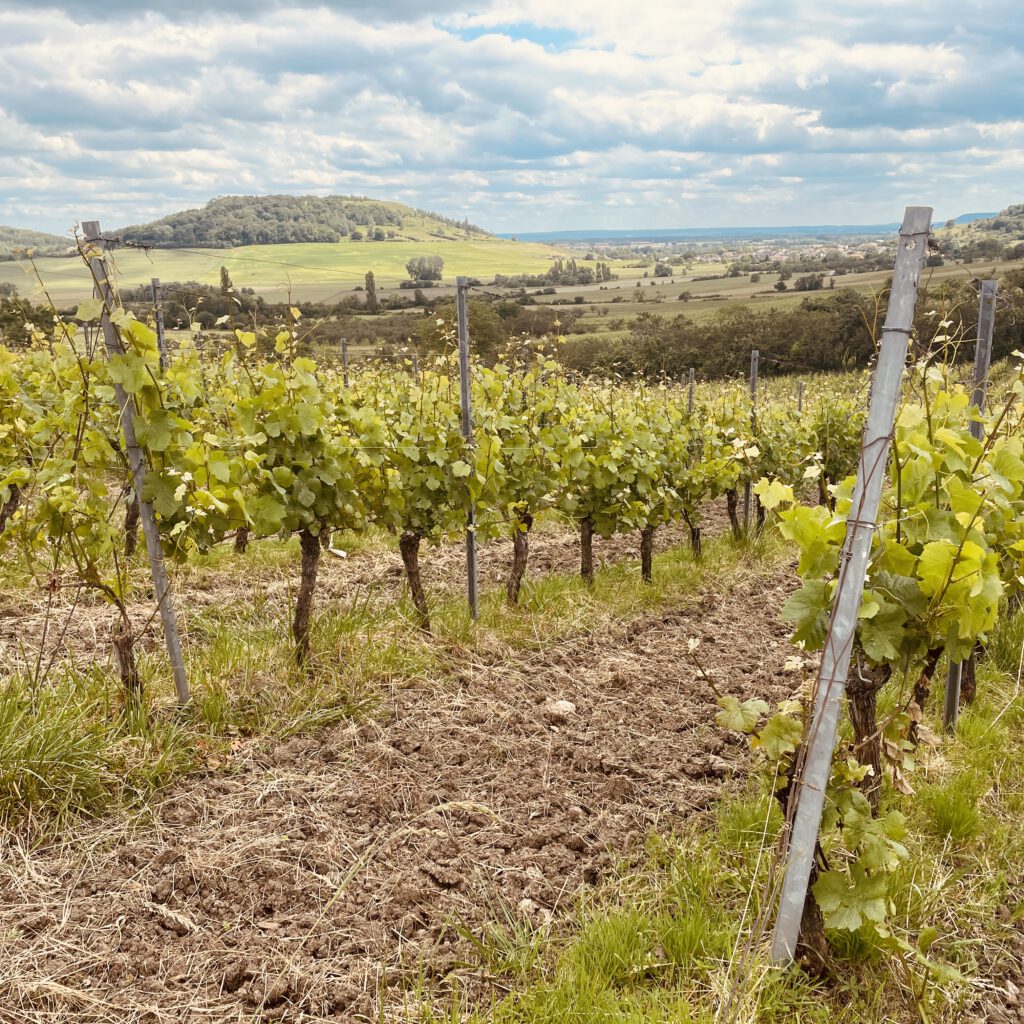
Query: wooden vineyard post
x=161, y=340
x=137, y=463
x=754, y=357
x=811, y=772
x=690, y=402
x=344, y=361
x=982, y=360
x=462, y=287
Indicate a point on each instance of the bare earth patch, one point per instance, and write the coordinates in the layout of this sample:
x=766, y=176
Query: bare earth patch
x=326, y=878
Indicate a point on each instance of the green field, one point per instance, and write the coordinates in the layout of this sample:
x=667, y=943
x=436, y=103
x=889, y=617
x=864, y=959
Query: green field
x=327, y=272
x=709, y=296
x=313, y=271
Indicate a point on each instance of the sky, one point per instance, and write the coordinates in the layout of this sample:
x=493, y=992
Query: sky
x=524, y=115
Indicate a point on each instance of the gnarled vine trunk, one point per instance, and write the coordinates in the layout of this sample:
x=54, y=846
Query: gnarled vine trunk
x=242, y=540
x=732, y=504
x=10, y=506
x=760, y=512
x=824, y=498
x=310, y=545
x=812, y=943
x=587, y=549
x=862, y=703
x=409, y=546
x=124, y=656
x=694, y=536
x=647, y=554
x=969, y=678
x=922, y=688
x=520, y=555
x=131, y=523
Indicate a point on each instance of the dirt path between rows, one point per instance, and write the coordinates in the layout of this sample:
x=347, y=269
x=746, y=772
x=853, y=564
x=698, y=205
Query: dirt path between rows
x=325, y=879
x=75, y=624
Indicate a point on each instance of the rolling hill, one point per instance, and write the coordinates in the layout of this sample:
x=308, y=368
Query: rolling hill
x=13, y=240
x=231, y=221
x=301, y=247
x=998, y=235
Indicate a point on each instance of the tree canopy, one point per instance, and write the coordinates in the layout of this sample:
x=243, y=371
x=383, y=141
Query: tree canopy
x=425, y=268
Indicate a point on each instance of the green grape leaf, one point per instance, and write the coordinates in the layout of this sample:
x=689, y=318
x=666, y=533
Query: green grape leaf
x=740, y=717
x=89, y=310
x=155, y=432
x=846, y=902
x=129, y=370
x=773, y=493
x=267, y=514
x=808, y=609
x=781, y=735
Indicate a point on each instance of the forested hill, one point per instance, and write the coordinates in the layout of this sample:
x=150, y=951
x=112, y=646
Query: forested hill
x=266, y=220
x=998, y=236
x=16, y=240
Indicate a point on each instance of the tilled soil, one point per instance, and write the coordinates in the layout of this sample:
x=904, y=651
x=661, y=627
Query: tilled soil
x=329, y=879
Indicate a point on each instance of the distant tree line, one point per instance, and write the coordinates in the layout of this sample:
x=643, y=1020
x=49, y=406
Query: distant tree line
x=565, y=272
x=463, y=225
x=15, y=241
x=802, y=263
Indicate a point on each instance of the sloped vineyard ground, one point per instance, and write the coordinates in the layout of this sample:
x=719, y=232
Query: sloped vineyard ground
x=66, y=623
x=334, y=877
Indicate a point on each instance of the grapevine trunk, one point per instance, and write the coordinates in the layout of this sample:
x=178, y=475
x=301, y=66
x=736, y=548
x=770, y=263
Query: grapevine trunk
x=587, y=549
x=732, y=504
x=694, y=536
x=124, y=657
x=131, y=524
x=520, y=555
x=409, y=545
x=647, y=554
x=310, y=544
x=10, y=506
x=242, y=540
x=862, y=692
x=812, y=944
x=922, y=687
x=824, y=497
x=969, y=678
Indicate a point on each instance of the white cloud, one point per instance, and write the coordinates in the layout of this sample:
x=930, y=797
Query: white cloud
x=522, y=114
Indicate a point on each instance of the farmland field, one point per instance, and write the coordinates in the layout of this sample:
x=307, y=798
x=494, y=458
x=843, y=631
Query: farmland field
x=317, y=272
x=711, y=295
x=327, y=273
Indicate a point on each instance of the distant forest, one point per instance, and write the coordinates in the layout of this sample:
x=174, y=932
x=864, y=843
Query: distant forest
x=14, y=240
x=267, y=220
